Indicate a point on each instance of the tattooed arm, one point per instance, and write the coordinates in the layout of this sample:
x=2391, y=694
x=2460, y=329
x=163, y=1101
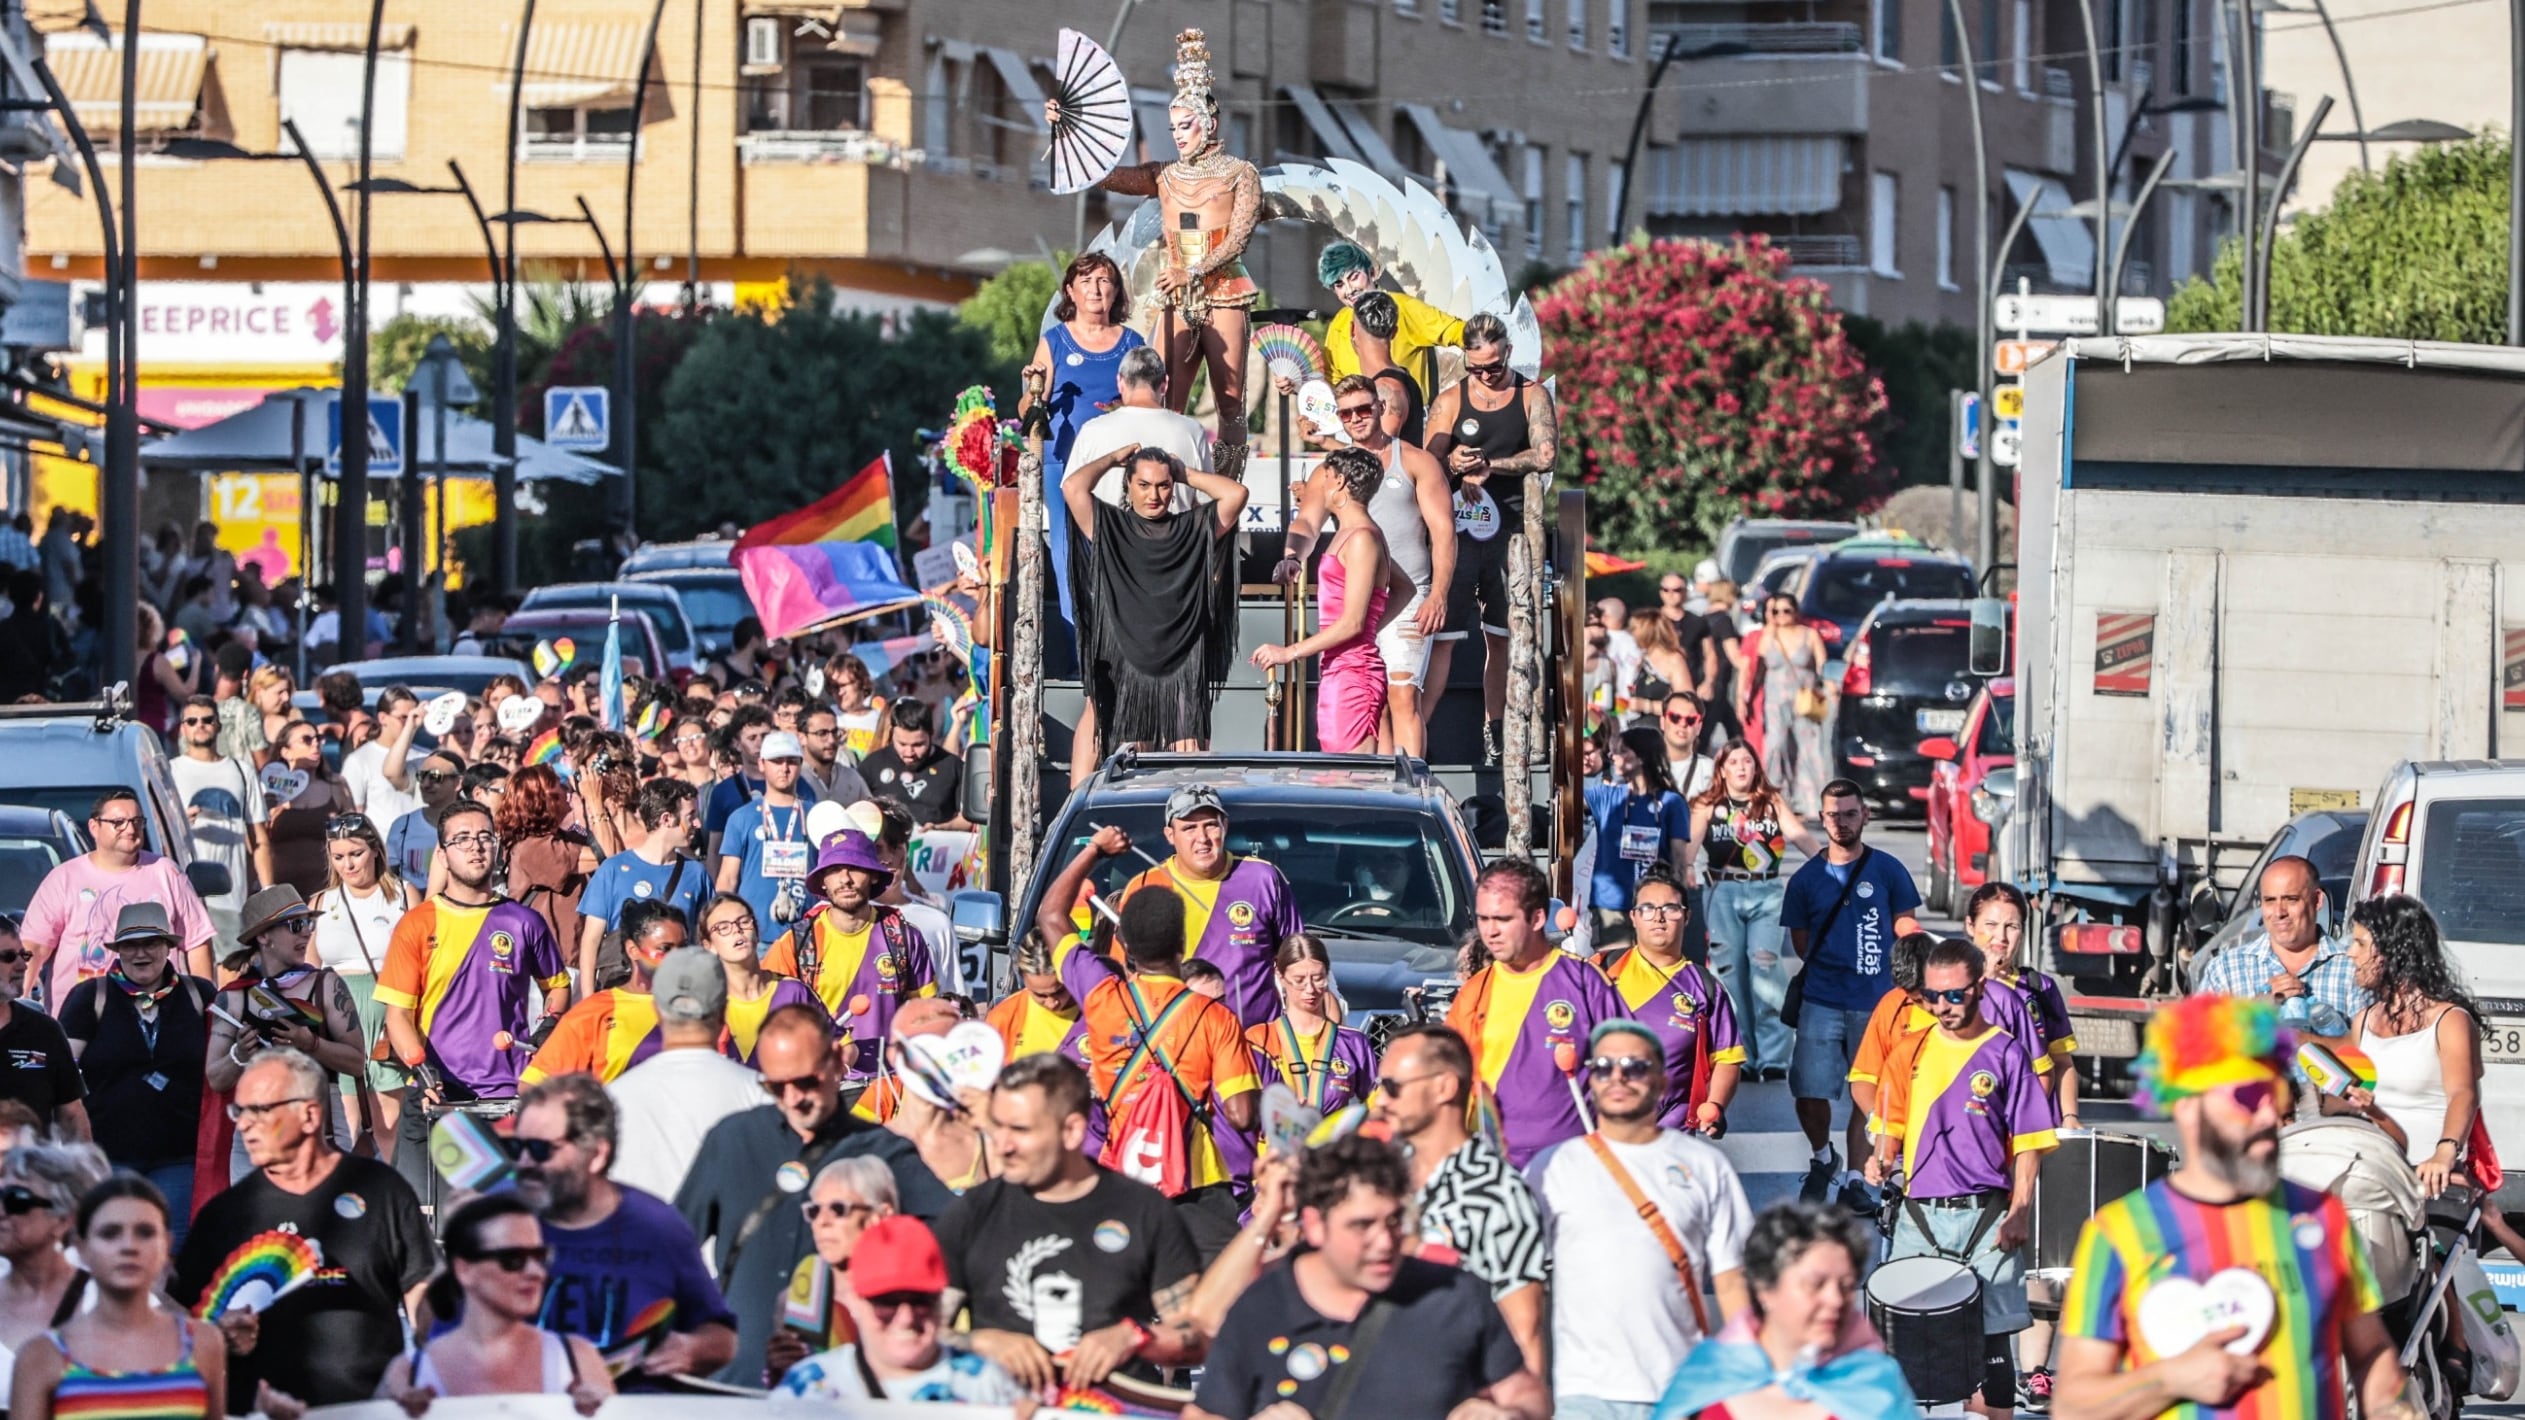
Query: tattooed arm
x=1544, y=434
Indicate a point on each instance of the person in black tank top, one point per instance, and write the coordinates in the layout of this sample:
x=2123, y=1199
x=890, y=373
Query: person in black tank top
x=1490, y=431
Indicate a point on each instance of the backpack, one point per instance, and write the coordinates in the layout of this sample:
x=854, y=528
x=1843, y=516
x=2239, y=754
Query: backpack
x=1148, y=1136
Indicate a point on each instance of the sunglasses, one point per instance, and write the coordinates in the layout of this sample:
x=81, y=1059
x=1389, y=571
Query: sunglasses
x=839, y=1212
x=514, y=1259
x=346, y=826
x=1492, y=371
x=2253, y=1094
x=1951, y=998
x=1631, y=1068
x=17, y=1201
x=1390, y=1085
x=1355, y=411
x=435, y=776
x=803, y=1084
x=1674, y=591
x=1683, y=719
x=534, y=1151
x=11, y=956
x=191, y=720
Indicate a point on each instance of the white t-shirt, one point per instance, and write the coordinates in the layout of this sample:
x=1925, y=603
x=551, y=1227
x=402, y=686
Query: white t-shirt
x=364, y=769
x=344, y=922
x=1622, y=1334
x=222, y=797
x=1178, y=434
x=665, y=1104
x=937, y=932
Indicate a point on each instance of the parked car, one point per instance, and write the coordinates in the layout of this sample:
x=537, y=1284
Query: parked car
x=1904, y=680
x=1838, y=588
x=1961, y=814
x=660, y=601
x=1375, y=849
x=643, y=651
x=1744, y=542
x=678, y=556
x=2327, y=838
x=1776, y=574
x=33, y=842
x=434, y=675
x=59, y=758
x=714, y=599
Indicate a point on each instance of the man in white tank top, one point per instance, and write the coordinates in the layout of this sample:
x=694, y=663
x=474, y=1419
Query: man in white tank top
x=1415, y=510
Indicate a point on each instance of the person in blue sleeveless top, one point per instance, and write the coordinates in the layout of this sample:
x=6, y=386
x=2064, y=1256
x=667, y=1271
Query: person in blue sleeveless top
x=1077, y=363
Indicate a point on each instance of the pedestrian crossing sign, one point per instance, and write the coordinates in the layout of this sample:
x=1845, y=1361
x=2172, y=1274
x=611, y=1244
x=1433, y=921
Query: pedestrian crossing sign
x=385, y=437
x=578, y=418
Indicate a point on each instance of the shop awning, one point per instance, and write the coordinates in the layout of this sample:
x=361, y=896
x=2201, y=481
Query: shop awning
x=350, y=36
x=1476, y=179
x=1370, y=143
x=1024, y=94
x=1748, y=176
x=1320, y=121
x=579, y=65
x=259, y=440
x=2067, y=243
x=167, y=98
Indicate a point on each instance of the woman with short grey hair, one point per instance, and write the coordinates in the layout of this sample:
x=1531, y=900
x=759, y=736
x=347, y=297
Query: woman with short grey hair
x=40, y=1188
x=848, y=1194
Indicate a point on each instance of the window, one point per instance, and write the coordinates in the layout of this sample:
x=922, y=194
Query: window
x=1495, y=17
x=2023, y=46
x=320, y=91
x=1451, y=12
x=1574, y=200
x=1889, y=31
x=1406, y=7
x=2469, y=860
x=1946, y=239
x=1617, y=29
x=1986, y=44
x=2180, y=57
x=2145, y=52
x=1884, y=191
x=576, y=133
x=2111, y=20
x=1616, y=176
x=1536, y=29
x=2182, y=237
x=1950, y=44
x=1533, y=188
x=815, y=95
x=1578, y=24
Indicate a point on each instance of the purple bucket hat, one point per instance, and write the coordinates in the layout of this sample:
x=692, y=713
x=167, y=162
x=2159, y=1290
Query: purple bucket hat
x=849, y=848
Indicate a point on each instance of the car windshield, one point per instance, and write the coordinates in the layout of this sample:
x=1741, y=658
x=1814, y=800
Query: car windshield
x=1919, y=658
x=75, y=800
x=1845, y=588
x=2472, y=869
x=1998, y=728
x=716, y=603
x=1378, y=874
x=1747, y=549
x=661, y=610
x=23, y=863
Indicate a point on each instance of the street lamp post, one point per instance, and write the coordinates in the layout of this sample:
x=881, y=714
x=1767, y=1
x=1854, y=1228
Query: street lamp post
x=119, y=497
x=1985, y=540
x=2270, y=216
x=350, y=491
x=586, y=218
x=504, y=384
x=1667, y=53
x=626, y=329
x=2103, y=166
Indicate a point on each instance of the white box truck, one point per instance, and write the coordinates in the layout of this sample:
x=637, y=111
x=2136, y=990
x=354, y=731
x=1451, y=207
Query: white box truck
x=2254, y=573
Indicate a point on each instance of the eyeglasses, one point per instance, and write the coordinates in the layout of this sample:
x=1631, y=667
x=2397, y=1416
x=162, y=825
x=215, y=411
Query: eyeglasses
x=1779, y=612
x=514, y=1259
x=839, y=1212
x=118, y=824
x=731, y=928
x=346, y=826
x=534, y=1151
x=1355, y=411
x=1659, y=909
x=1674, y=590
x=484, y=841
x=191, y=720
x=1631, y=1068
x=18, y=1200
x=240, y=1113
x=1951, y=998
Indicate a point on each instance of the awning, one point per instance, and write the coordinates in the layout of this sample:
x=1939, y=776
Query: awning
x=1370, y=143
x=577, y=65
x=1156, y=135
x=260, y=439
x=167, y=97
x=2067, y=243
x=1018, y=78
x=1469, y=167
x=347, y=35
x=1747, y=176
x=1320, y=121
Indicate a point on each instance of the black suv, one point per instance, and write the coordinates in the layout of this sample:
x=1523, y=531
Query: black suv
x=1841, y=585
x=1374, y=848
x=1905, y=678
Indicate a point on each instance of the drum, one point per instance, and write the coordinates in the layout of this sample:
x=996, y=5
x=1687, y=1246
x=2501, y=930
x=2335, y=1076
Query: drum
x=2091, y=1168
x=1929, y=1312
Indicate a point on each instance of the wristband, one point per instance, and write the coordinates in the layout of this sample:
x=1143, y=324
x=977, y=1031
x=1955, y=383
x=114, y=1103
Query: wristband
x=1140, y=1336
x=2458, y=1143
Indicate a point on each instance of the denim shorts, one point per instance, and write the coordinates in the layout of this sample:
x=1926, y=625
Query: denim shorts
x=1827, y=1038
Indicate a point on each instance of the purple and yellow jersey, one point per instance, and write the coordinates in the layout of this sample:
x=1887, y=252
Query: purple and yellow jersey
x=2297, y=1241
x=603, y=1036
x=467, y=974
x=745, y=1018
x=883, y=961
x=1679, y=1006
x=1516, y=1022
x=2050, y=1012
x=1964, y=1111
x=1235, y=924
x=1334, y=1067
x=1080, y=969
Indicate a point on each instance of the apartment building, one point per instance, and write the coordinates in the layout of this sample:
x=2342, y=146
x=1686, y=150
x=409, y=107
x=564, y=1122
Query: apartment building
x=1841, y=129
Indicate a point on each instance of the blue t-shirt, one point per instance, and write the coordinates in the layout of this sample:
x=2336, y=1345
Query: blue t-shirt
x=1852, y=967
x=726, y=797
x=627, y=875
x=1633, y=833
x=750, y=829
x=612, y=1281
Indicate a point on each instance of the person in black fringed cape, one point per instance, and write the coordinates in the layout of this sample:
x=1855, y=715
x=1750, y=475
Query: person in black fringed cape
x=1157, y=620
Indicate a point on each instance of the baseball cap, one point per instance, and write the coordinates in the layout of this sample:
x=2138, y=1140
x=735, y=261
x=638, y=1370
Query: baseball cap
x=780, y=744
x=1705, y=570
x=898, y=1253
x=1192, y=799
x=690, y=985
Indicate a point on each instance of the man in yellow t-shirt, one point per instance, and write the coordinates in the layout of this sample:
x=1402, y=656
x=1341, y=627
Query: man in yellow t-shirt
x=1346, y=269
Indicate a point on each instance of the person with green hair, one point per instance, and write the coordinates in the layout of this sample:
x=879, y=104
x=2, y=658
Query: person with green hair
x=1347, y=270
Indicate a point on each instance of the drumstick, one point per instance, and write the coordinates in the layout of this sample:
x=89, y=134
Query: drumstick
x=1565, y=1055
x=1095, y=827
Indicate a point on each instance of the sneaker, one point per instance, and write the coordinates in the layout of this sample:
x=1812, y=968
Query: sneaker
x=1861, y=1200
x=1819, y=1177
x=2034, y=1390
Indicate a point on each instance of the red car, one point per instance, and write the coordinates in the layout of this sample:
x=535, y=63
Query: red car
x=1959, y=842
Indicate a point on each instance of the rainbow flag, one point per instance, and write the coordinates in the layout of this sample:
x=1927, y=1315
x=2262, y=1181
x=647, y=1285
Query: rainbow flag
x=829, y=561
x=1605, y=564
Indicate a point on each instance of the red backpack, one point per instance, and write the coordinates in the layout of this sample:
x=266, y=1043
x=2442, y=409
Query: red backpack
x=1149, y=1134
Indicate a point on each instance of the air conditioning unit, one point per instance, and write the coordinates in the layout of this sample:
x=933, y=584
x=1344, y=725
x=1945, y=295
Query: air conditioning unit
x=762, y=42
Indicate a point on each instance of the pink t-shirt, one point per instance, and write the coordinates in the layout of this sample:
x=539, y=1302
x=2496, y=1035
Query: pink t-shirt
x=74, y=911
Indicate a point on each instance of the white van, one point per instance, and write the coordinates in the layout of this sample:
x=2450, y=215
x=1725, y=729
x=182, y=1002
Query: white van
x=2452, y=833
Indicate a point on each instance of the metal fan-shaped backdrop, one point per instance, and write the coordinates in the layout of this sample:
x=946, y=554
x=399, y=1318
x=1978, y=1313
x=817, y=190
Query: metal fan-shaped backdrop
x=1091, y=125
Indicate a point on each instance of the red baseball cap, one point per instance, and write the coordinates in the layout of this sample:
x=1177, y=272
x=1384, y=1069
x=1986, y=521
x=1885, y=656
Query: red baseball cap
x=897, y=1254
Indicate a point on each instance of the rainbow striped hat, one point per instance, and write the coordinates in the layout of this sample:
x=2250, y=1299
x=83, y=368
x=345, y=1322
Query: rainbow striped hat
x=2201, y=1043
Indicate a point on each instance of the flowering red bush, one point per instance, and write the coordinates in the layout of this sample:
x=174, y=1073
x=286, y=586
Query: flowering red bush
x=1698, y=382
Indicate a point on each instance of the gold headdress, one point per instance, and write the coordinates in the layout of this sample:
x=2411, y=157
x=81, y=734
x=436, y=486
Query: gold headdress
x=1192, y=75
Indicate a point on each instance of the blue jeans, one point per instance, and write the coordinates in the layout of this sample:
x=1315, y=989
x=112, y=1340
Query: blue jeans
x=1746, y=953
x=176, y=1182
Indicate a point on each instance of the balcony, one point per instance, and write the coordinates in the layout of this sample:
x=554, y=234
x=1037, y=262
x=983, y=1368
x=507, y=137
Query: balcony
x=848, y=145
x=1822, y=252
x=1796, y=78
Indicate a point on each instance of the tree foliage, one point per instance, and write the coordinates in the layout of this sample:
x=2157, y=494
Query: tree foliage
x=1008, y=310
x=769, y=411
x=395, y=349
x=1699, y=382
x=1919, y=365
x=2417, y=251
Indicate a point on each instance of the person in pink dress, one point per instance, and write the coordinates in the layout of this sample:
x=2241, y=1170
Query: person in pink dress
x=1350, y=685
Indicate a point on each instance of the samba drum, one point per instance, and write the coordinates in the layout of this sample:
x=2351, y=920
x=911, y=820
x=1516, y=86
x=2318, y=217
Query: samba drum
x=1928, y=1309
x=2091, y=1168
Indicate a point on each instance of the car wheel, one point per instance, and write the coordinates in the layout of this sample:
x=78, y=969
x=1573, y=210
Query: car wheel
x=1941, y=894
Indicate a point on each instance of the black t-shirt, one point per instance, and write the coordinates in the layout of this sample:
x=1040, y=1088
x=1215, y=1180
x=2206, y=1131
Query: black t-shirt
x=330, y=1341
x=35, y=1065
x=1693, y=633
x=1720, y=626
x=144, y=1087
x=1446, y=1344
x=1057, y=1271
x=929, y=789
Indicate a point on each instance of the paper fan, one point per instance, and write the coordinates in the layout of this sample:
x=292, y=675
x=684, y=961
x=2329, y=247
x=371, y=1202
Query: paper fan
x=1288, y=350
x=647, y=1327
x=468, y=1154
x=952, y=625
x=1091, y=124
x=1317, y=407
x=263, y=1269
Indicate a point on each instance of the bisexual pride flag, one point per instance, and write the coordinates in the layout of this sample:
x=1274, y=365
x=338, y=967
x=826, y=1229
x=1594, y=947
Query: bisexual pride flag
x=830, y=561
